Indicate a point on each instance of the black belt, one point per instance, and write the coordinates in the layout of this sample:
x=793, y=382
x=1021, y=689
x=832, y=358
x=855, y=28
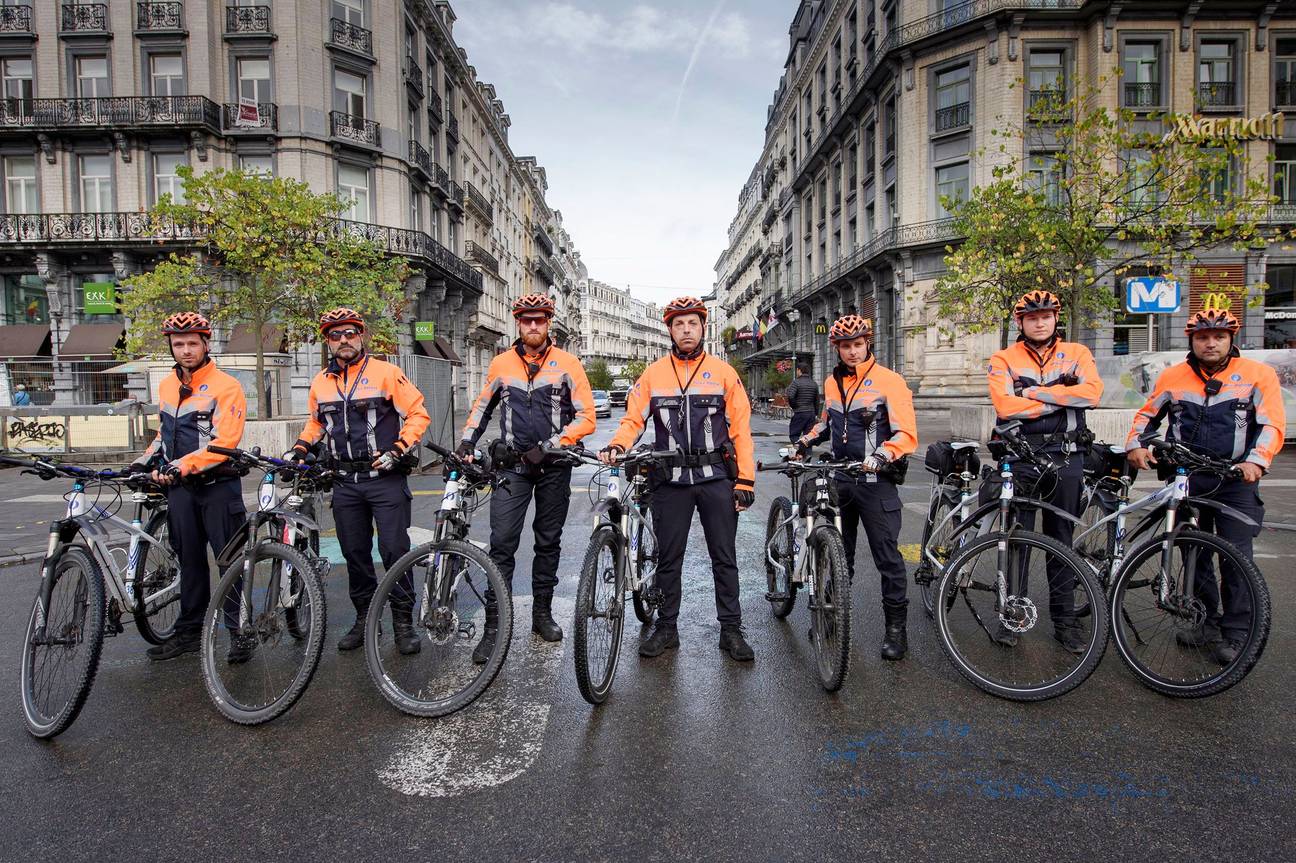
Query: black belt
x=699, y=459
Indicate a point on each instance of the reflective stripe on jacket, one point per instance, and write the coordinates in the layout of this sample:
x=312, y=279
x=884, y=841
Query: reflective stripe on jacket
x=213, y=412
x=555, y=404
x=872, y=409
x=1024, y=386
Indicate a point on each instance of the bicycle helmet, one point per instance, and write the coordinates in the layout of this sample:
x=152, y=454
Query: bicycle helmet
x=684, y=306
x=533, y=304
x=340, y=315
x=1036, y=301
x=186, y=322
x=849, y=327
x=1212, y=319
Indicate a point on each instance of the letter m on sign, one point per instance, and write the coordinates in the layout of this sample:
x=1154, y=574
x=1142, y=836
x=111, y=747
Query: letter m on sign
x=1149, y=295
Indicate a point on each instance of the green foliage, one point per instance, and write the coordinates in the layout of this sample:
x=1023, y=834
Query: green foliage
x=728, y=336
x=776, y=380
x=599, y=376
x=1115, y=197
x=633, y=370
x=274, y=254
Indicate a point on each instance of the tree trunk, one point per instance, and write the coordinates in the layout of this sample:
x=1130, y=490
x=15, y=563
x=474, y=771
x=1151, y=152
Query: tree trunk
x=263, y=396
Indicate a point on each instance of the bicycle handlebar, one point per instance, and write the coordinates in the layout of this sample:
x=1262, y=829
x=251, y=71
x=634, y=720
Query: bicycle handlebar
x=1180, y=455
x=793, y=466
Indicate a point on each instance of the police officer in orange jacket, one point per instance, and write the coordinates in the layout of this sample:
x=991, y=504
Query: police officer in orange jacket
x=201, y=405
x=1223, y=405
x=1048, y=385
x=370, y=416
x=700, y=411
x=544, y=399
x=869, y=415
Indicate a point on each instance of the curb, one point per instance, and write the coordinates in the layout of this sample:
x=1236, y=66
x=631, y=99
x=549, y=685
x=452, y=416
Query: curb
x=20, y=557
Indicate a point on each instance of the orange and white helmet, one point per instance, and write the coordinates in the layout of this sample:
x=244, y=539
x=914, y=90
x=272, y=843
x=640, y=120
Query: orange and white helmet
x=684, y=306
x=186, y=322
x=1037, y=301
x=533, y=304
x=849, y=327
x=1212, y=319
x=338, y=316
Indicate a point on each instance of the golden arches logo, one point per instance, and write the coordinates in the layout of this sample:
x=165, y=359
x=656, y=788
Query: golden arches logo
x=1216, y=301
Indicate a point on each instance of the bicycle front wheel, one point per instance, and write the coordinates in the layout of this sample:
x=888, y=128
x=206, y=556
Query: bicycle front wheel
x=157, y=583
x=647, y=597
x=439, y=589
x=61, y=652
x=1029, y=645
x=779, y=545
x=1190, y=642
x=830, y=608
x=254, y=665
x=937, y=543
x=600, y=616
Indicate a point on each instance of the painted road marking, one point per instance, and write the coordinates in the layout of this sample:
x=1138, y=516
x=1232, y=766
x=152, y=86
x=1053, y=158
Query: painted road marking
x=910, y=552
x=497, y=738
x=329, y=547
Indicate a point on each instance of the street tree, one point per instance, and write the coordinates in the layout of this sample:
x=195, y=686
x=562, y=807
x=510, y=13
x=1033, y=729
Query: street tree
x=1081, y=194
x=272, y=254
x=599, y=376
x=634, y=370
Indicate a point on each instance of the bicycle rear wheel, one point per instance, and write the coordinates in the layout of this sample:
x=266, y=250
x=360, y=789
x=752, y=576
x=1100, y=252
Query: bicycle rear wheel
x=157, y=583
x=600, y=616
x=1033, y=647
x=61, y=651
x=646, y=598
x=1175, y=645
x=439, y=588
x=830, y=608
x=779, y=544
x=254, y=666
x=936, y=541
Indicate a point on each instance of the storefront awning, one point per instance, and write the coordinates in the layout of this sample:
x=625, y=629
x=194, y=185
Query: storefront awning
x=91, y=341
x=446, y=352
x=243, y=340
x=24, y=340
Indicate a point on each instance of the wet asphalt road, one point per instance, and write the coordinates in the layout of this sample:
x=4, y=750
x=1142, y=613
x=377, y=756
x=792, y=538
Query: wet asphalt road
x=692, y=756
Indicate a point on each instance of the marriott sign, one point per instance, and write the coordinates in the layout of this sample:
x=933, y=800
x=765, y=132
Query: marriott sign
x=1266, y=127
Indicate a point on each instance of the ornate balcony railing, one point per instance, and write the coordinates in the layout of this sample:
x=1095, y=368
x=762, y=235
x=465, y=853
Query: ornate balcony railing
x=440, y=178
x=145, y=227
x=544, y=269
x=353, y=128
x=952, y=117
x=414, y=76
x=479, y=201
x=1215, y=94
x=247, y=20
x=902, y=236
x=435, y=107
x=455, y=194
x=344, y=34
x=84, y=17
x=110, y=112
x=420, y=158
x=267, y=118
x=1142, y=94
x=452, y=127
x=478, y=253
x=543, y=239
x=15, y=19
x=152, y=15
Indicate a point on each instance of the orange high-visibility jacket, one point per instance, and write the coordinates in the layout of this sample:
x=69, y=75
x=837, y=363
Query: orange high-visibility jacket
x=551, y=404
x=868, y=409
x=1024, y=385
x=212, y=411
x=363, y=410
x=698, y=406
x=1244, y=421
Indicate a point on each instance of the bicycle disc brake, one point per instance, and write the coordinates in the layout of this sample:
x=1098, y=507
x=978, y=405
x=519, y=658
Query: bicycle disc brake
x=1020, y=615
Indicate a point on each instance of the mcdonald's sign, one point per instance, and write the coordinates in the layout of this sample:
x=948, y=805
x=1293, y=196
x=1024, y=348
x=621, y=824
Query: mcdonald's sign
x=1218, y=287
x=1216, y=301
x=821, y=328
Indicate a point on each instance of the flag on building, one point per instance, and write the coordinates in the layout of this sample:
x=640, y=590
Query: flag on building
x=772, y=322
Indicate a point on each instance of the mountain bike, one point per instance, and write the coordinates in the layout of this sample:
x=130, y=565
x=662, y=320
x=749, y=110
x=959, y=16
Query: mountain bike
x=440, y=588
x=804, y=549
x=995, y=591
x=954, y=468
x=264, y=628
x=621, y=559
x=1170, y=593
x=88, y=584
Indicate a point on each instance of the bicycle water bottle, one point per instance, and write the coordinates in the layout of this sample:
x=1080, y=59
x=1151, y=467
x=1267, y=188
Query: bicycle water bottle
x=266, y=497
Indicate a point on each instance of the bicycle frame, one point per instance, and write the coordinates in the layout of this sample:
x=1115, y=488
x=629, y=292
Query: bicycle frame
x=963, y=511
x=805, y=525
x=619, y=509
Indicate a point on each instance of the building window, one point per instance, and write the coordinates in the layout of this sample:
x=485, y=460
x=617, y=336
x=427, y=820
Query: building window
x=25, y=300
x=353, y=186
x=416, y=209
x=952, y=183
x=890, y=130
x=1284, y=184
x=1217, y=78
x=1141, y=81
x=870, y=213
x=1280, y=307
x=852, y=156
x=253, y=74
x=166, y=75
x=1131, y=334
x=823, y=202
x=20, y=190
x=17, y=75
x=1046, y=76
x=166, y=177
x=350, y=11
x=92, y=77
x=1044, y=175
x=1141, y=187
x=257, y=164
x=95, y=173
x=1285, y=72
x=1219, y=183
x=870, y=150
x=349, y=93
x=836, y=186
x=953, y=98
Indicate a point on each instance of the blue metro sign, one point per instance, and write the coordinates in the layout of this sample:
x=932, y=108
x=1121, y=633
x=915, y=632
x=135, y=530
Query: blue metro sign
x=1150, y=295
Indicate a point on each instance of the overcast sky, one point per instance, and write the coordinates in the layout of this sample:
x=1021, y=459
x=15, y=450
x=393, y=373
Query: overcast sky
x=647, y=116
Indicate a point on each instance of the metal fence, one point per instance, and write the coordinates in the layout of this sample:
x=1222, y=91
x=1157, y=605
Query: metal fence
x=120, y=428
x=435, y=379
x=75, y=383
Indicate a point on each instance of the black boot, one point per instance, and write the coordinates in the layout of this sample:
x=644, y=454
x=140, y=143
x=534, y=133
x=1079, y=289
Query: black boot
x=486, y=646
x=354, y=636
x=407, y=640
x=664, y=637
x=733, y=643
x=896, y=641
x=542, y=622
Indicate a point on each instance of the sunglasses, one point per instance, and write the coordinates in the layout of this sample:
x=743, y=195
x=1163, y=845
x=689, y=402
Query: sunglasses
x=339, y=335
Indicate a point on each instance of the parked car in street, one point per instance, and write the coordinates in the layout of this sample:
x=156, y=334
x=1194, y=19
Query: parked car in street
x=602, y=404
x=618, y=398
